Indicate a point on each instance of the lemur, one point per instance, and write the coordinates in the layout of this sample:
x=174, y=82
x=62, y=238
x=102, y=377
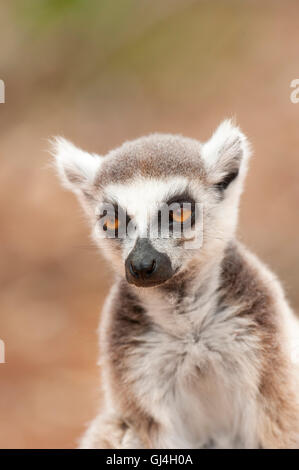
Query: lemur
x=197, y=343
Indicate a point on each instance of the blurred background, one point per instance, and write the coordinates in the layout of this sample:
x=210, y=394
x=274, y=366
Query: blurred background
x=100, y=72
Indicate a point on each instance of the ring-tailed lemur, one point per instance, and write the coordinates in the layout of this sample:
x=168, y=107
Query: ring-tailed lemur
x=198, y=344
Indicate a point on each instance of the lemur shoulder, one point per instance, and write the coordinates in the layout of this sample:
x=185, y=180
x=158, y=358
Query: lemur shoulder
x=197, y=339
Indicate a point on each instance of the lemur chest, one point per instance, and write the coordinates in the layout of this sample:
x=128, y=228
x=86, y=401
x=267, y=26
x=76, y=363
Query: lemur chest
x=186, y=384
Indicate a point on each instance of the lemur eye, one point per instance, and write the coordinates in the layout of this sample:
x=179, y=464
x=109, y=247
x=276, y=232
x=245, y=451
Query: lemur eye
x=181, y=214
x=112, y=223
x=113, y=220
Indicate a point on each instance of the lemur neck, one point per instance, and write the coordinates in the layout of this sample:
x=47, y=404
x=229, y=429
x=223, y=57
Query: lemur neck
x=186, y=300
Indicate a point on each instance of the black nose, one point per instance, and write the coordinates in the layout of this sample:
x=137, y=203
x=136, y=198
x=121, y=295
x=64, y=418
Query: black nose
x=143, y=268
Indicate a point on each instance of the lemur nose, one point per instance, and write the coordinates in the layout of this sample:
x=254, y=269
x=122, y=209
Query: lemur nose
x=143, y=268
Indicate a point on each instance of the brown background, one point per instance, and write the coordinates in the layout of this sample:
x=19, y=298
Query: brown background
x=100, y=72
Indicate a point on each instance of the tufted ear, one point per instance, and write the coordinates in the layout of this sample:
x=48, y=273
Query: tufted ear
x=76, y=168
x=226, y=155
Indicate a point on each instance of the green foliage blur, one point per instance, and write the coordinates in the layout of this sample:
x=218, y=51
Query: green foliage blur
x=164, y=46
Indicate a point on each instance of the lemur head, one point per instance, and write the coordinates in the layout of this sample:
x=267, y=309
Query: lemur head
x=161, y=202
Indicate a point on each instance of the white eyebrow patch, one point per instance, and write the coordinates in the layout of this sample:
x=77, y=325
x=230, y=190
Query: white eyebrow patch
x=141, y=197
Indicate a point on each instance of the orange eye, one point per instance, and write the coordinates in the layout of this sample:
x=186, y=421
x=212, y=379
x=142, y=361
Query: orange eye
x=112, y=223
x=181, y=215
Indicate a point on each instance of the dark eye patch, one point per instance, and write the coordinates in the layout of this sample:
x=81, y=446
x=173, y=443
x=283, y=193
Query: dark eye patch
x=180, y=198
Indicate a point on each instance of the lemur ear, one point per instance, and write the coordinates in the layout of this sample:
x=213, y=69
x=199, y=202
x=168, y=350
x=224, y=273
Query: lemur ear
x=226, y=155
x=76, y=168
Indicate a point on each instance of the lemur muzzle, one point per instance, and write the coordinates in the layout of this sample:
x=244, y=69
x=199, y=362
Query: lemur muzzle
x=145, y=266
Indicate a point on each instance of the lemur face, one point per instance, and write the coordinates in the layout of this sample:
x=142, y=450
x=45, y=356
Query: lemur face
x=160, y=201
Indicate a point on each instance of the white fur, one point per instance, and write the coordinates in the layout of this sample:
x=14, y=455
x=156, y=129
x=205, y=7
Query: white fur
x=224, y=144
x=72, y=160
